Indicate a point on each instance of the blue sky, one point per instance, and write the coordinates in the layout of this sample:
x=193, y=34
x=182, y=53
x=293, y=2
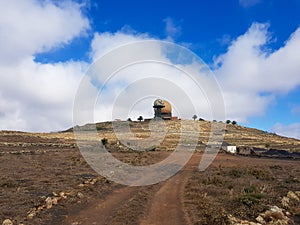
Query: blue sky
x=72, y=33
x=207, y=25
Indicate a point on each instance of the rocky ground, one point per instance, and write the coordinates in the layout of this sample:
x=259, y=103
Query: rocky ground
x=45, y=180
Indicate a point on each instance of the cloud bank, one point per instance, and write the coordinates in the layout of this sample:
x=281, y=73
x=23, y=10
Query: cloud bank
x=252, y=76
x=35, y=96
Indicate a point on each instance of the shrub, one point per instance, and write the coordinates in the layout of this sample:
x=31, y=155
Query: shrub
x=140, y=118
x=228, y=121
x=235, y=173
x=250, y=199
x=260, y=174
x=267, y=145
x=104, y=141
x=250, y=189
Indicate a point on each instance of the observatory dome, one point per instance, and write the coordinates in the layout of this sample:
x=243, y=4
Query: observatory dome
x=167, y=108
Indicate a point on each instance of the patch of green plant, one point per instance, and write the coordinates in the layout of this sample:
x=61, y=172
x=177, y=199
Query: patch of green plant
x=250, y=189
x=101, y=128
x=250, y=199
x=235, y=173
x=260, y=174
x=215, y=180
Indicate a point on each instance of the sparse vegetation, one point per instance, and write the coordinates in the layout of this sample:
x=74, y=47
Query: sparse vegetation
x=104, y=141
x=250, y=199
x=267, y=145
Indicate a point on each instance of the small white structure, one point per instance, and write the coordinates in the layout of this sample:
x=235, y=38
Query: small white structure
x=229, y=148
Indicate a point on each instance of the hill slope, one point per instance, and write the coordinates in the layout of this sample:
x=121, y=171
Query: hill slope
x=233, y=134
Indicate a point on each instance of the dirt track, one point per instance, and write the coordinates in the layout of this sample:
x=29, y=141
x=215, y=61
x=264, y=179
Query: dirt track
x=164, y=205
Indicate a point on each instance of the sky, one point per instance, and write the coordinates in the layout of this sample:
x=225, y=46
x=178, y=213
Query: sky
x=251, y=46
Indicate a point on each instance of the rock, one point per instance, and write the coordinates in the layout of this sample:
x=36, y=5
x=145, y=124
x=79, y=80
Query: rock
x=63, y=195
x=285, y=202
x=275, y=213
x=7, y=222
x=31, y=215
x=260, y=219
x=48, y=203
x=79, y=195
x=236, y=221
x=293, y=196
x=55, y=200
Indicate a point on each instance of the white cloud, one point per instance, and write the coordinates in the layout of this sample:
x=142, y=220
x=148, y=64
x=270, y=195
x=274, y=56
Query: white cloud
x=31, y=26
x=290, y=130
x=249, y=3
x=252, y=76
x=172, y=30
x=35, y=96
x=105, y=42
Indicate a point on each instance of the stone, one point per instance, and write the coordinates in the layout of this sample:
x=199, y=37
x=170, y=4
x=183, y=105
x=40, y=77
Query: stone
x=7, y=222
x=31, y=215
x=79, y=195
x=48, y=203
x=293, y=196
x=55, y=200
x=63, y=195
x=285, y=202
x=260, y=219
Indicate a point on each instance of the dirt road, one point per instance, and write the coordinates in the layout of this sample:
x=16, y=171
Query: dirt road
x=163, y=203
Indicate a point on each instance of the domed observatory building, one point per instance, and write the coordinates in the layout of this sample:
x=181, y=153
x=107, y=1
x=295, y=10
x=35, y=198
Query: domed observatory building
x=162, y=109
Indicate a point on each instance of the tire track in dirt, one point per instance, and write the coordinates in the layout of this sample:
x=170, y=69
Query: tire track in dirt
x=163, y=207
x=167, y=207
x=101, y=212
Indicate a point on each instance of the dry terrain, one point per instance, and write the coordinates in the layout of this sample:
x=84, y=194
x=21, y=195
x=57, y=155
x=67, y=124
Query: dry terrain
x=45, y=180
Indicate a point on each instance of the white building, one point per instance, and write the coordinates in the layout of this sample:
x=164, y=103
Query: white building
x=228, y=147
